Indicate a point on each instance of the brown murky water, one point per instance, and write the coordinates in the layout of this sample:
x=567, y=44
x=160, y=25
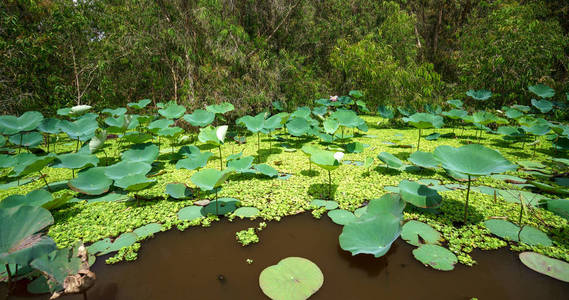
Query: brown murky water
x=186, y=265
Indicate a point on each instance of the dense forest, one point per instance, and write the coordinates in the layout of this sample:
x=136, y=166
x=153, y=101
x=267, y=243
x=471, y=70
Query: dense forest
x=56, y=53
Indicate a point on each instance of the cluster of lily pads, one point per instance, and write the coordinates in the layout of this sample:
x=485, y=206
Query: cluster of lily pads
x=88, y=145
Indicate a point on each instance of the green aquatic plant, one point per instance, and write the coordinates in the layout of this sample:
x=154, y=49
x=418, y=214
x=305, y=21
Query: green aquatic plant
x=216, y=137
x=200, y=118
x=419, y=195
x=247, y=236
x=211, y=179
x=328, y=161
x=424, y=121
x=293, y=278
x=551, y=267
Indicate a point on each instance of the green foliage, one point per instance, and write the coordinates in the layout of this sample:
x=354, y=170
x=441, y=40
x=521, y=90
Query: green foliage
x=293, y=278
x=247, y=236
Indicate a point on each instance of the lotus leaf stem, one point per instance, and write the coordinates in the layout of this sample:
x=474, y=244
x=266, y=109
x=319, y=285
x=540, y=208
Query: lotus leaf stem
x=21, y=141
x=467, y=196
x=329, y=185
x=220, y=158
x=419, y=140
x=216, y=204
x=9, y=279
x=45, y=181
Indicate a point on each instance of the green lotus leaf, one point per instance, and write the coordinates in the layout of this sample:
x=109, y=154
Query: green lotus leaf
x=98, y=140
x=127, y=168
x=178, y=190
x=329, y=204
x=200, y=118
x=242, y=164
x=50, y=126
x=28, y=164
x=91, y=182
x=325, y=159
x=510, y=131
x=293, y=278
x=413, y=230
x=542, y=90
x=33, y=198
x=213, y=135
x=424, y=159
x=433, y=136
x=368, y=162
x=330, y=125
x=419, y=195
x=266, y=170
x=435, y=256
x=375, y=231
x=509, y=231
x=472, y=159
x=208, y=179
x=170, y=132
x=194, y=161
x=355, y=147
x=538, y=130
x=140, y=104
x=141, y=153
x=391, y=161
x=190, y=213
x=455, y=103
x=386, y=112
x=557, y=206
x=551, y=267
x=424, y=120
x=27, y=122
x=119, y=111
x=406, y=111
x=341, y=217
x=156, y=126
x=480, y=95
x=133, y=183
x=57, y=265
x=75, y=160
x=38, y=286
x=220, y=108
x=246, y=212
x=345, y=117
x=147, y=230
x=220, y=207
x=28, y=140
x=275, y=122
x=172, y=111
x=253, y=124
x=297, y=126
x=20, y=240
x=308, y=149
x=513, y=113
x=455, y=114
x=82, y=129
x=2, y=141
x=320, y=111
x=301, y=112
x=105, y=246
x=543, y=106
x=137, y=137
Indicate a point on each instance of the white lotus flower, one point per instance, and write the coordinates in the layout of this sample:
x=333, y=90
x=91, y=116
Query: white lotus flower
x=221, y=132
x=338, y=156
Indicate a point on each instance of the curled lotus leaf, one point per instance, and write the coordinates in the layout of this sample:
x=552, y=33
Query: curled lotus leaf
x=328, y=204
x=194, y=161
x=208, y=179
x=347, y=118
x=57, y=265
x=540, y=263
x=156, y=126
x=436, y=257
x=178, y=190
x=26, y=164
x=200, y=118
x=33, y=198
x=386, y=112
x=455, y=103
x=391, y=161
x=49, y=125
x=241, y=165
x=513, y=113
x=544, y=106
x=119, y=111
x=480, y=95
x=26, y=122
x=355, y=147
x=473, y=159
x=424, y=120
x=82, y=129
x=419, y=195
x=253, y=124
x=293, y=278
x=330, y=125
x=326, y=160
x=542, y=90
x=455, y=114
x=140, y=104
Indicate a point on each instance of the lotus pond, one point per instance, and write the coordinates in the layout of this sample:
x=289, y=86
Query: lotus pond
x=458, y=196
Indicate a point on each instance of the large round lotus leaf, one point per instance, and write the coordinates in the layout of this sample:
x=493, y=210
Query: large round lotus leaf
x=147, y=230
x=119, y=111
x=170, y=132
x=472, y=159
x=455, y=114
x=133, y=183
x=309, y=149
x=274, y=122
x=341, y=217
x=544, y=106
x=82, y=129
x=480, y=95
x=297, y=126
x=329, y=204
x=386, y=112
x=436, y=256
x=140, y=104
x=33, y=198
x=325, y=159
x=412, y=230
x=178, y=190
x=510, y=130
x=242, y=164
x=221, y=206
x=374, y=231
x=419, y=195
x=157, y=125
x=502, y=228
x=172, y=111
x=194, y=161
x=246, y=212
x=540, y=263
x=455, y=103
x=50, y=126
x=559, y=207
x=330, y=125
x=253, y=124
x=137, y=137
x=91, y=182
x=266, y=170
x=75, y=160
x=528, y=198
x=19, y=241
x=542, y=90
x=301, y=112
x=320, y=111
x=29, y=139
x=345, y=117
x=30, y=164
x=208, y=179
x=141, y=153
x=534, y=237
x=424, y=120
x=392, y=161
x=127, y=168
x=537, y=129
x=190, y=213
x=27, y=122
x=200, y=118
x=424, y=159
x=513, y=113
x=293, y=278
x=220, y=108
